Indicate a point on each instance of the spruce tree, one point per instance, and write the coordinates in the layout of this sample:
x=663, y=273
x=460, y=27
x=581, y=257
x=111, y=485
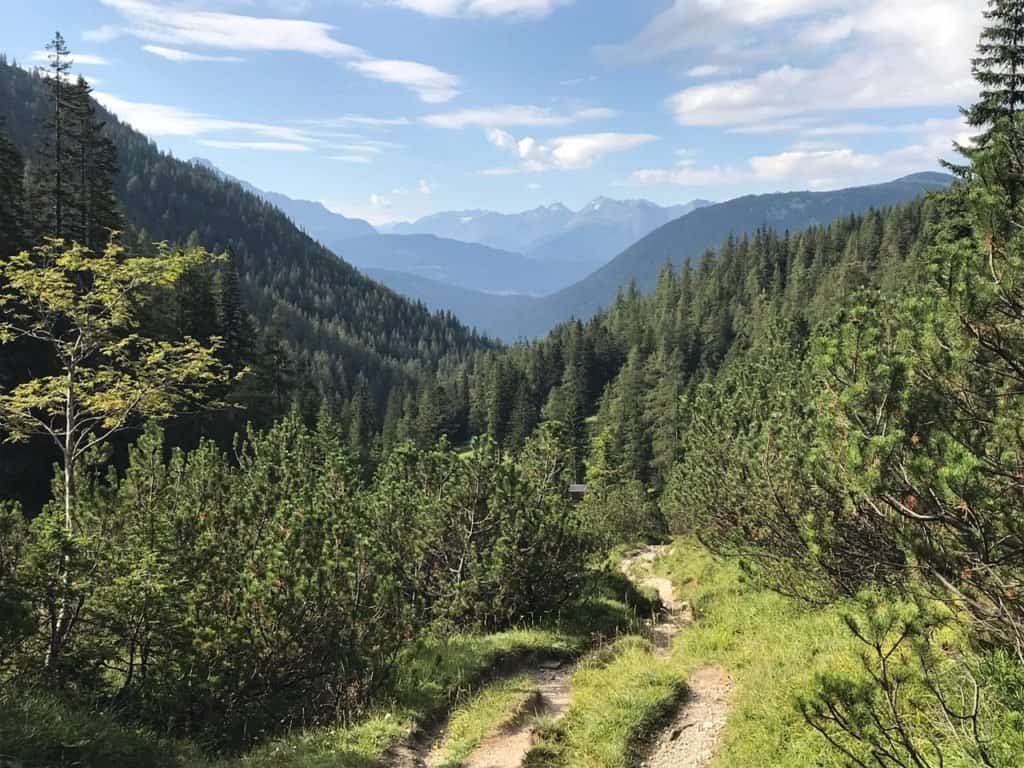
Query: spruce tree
x=56, y=167
x=95, y=161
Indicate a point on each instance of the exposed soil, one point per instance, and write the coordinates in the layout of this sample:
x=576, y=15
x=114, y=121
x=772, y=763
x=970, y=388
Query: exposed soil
x=689, y=741
x=507, y=748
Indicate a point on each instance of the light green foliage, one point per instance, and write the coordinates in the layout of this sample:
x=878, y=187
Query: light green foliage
x=84, y=307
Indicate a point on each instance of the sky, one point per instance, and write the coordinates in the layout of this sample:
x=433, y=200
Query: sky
x=393, y=109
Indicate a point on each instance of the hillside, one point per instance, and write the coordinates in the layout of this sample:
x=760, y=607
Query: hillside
x=486, y=312
x=323, y=225
x=324, y=307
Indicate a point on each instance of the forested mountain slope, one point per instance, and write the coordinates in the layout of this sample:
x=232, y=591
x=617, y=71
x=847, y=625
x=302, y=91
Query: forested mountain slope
x=313, y=218
x=339, y=324
x=686, y=238
x=679, y=242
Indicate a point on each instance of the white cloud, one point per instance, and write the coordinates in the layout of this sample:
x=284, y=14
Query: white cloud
x=912, y=53
x=163, y=120
x=565, y=153
x=425, y=188
x=345, y=121
x=510, y=115
x=176, y=54
x=378, y=201
x=177, y=26
x=431, y=84
x=367, y=149
x=811, y=166
x=88, y=59
x=534, y=187
x=828, y=32
x=577, y=81
x=264, y=146
x=180, y=26
x=492, y=8
x=357, y=159
x=704, y=70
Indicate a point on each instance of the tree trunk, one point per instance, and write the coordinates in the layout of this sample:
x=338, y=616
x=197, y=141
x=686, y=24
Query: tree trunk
x=59, y=628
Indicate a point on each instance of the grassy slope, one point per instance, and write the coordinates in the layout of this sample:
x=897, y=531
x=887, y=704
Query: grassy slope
x=770, y=645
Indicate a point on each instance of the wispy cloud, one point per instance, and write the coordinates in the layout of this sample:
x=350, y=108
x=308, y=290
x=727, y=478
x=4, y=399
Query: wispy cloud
x=163, y=120
x=263, y=146
x=178, y=55
x=816, y=166
x=346, y=121
x=565, y=153
x=510, y=115
x=176, y=26
x=704, y=70
x=516, y=9
x=359, y=159
x=431, y=84
x=88, y=59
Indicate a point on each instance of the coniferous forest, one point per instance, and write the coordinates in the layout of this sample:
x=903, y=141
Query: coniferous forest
x=256, y=509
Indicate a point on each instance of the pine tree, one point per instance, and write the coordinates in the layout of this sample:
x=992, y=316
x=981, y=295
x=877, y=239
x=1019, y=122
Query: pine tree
x=56, y=168
x=95, y=160
x=999, y=70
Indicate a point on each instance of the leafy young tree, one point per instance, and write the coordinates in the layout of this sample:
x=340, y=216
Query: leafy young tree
x=82, y=307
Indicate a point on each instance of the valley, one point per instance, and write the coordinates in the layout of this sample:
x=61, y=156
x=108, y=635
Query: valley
x=414, y=468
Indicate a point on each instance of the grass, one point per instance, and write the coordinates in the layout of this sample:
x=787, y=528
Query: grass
x=437, y=675
x=621, y=695
x=771, y=645
x=39, y=730
x=433, y=676
x=496, y=705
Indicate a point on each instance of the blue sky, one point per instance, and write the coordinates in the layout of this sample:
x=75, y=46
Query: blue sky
x=392, y=109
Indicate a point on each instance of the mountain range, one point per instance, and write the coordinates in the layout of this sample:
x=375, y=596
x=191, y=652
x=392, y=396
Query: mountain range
x=590, y=236
x=679, y=241
x=533, y=253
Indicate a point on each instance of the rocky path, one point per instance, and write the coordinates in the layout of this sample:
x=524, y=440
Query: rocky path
x=507, y=748
x=689, y=741
x=692, y=737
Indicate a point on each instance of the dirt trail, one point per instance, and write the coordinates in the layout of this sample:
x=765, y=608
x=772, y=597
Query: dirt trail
x=689, y=741
x=508, y=747
x=675, y=614
x=692, y=737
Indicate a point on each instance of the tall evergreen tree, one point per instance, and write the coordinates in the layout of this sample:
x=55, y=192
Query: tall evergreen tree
x=95, y=161
x=56, y=170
